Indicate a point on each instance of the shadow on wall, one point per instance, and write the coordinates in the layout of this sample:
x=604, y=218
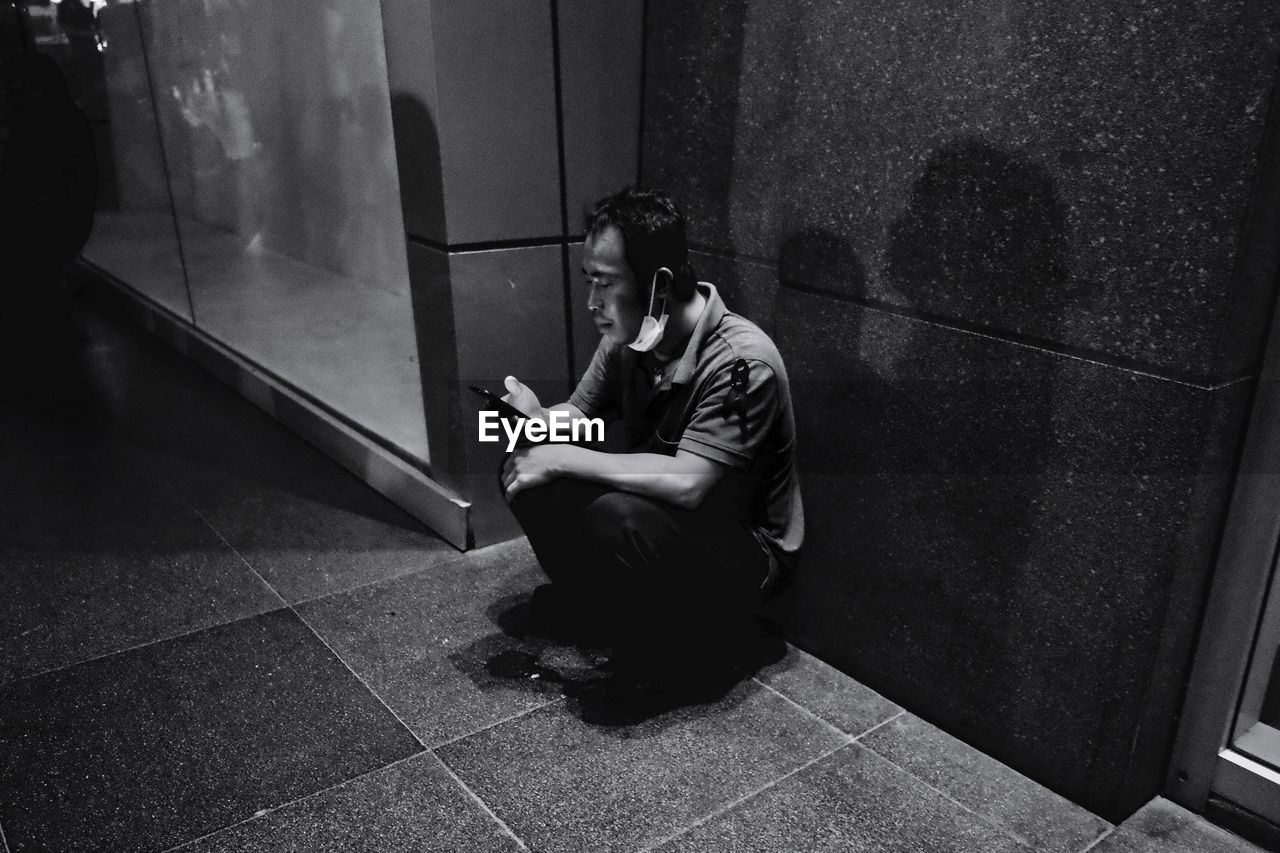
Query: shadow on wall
x=417, y=146
x=923, y=464
x=983, y=235
x=457, y=460
x=819, y=259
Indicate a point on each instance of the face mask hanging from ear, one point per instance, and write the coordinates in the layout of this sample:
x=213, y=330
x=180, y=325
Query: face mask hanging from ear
x=651, y=330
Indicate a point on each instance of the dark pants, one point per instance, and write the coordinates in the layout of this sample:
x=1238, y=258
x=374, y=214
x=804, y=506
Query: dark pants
x=675, y=587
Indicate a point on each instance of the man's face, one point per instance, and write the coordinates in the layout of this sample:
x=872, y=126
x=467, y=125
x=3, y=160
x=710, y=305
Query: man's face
x=613, y=294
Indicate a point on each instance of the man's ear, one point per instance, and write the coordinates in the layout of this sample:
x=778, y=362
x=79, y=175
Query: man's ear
x=662, y=280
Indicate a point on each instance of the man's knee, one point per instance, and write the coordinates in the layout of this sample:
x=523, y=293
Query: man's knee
x=557, y=505
x=616, y=521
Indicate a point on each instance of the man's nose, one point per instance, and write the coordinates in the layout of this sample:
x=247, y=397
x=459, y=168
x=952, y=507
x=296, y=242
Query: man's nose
x=594, y=302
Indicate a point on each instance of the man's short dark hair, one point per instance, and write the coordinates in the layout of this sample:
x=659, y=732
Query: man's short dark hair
x=653, y=236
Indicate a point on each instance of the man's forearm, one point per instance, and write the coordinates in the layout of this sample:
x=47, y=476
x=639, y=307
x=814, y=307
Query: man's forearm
x=679, y=480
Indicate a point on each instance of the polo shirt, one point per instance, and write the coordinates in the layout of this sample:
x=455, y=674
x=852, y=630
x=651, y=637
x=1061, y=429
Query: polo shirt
x=727, y=400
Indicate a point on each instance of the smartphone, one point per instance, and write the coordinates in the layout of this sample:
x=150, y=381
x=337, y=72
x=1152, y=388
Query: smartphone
x=504, y=409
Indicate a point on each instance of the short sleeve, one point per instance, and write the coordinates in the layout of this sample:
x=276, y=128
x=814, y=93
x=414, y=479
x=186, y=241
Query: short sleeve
x=729, y=426
x=595, y=393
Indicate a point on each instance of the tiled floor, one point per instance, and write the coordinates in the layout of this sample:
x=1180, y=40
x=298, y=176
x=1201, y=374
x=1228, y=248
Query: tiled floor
x=212, y=639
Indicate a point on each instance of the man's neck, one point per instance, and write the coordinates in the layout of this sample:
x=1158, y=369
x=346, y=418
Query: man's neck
x=680, y=326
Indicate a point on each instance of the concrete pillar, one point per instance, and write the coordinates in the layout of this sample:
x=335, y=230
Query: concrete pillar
x=510, y=118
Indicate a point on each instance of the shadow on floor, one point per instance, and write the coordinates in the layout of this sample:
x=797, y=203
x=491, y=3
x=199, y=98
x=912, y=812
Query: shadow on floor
x=519, y=656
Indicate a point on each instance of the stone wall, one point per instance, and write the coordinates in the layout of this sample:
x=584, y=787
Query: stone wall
x=1018, y=257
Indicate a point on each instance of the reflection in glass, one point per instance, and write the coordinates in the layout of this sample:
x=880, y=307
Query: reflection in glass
x=277, y=136
x=1271, y=697
x=133, y=235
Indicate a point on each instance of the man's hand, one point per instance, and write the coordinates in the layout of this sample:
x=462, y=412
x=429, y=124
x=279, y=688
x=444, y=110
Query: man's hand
x=523, y=398
x=532, y=466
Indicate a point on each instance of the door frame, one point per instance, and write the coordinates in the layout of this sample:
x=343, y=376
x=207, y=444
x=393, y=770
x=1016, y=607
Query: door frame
x=1203, y=762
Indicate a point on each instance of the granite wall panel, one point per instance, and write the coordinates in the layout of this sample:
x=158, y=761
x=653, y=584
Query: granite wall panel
x=585, y=335
x=1009, y=542
x=497, y=119
x=1078, y=172
x=1016, y=257
x=600, y=72
x=509, y=311
x=748, y=288
x=480, y=316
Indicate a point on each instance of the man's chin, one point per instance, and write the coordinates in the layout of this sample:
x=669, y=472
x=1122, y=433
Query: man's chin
x=613, y=335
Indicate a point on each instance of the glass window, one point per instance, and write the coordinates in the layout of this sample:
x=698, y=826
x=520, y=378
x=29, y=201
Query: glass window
x=277, y=134
x=249, y=185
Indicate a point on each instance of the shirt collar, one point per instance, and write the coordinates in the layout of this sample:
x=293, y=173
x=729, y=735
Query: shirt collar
x=712, y=313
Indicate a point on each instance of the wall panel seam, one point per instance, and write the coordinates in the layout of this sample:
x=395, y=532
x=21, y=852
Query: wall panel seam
x=558, y=90
x=1202, y=382
x=485, y=245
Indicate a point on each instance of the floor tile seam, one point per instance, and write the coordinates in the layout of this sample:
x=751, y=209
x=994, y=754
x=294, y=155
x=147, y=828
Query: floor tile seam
x=265, y=813
x=1106, y=833
x=1017, y=837
x=478, y=800
x=796, y=704
x=366, y=584
x=165, y=639
x=292, y=609
x=357, y=676
x=4, y=842
x=858, y=738
x=232, y=548
x=451, y=741
x=730, y=806
x=1004, y=830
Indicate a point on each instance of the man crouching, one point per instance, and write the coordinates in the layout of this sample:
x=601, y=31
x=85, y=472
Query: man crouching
x=661, y=551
